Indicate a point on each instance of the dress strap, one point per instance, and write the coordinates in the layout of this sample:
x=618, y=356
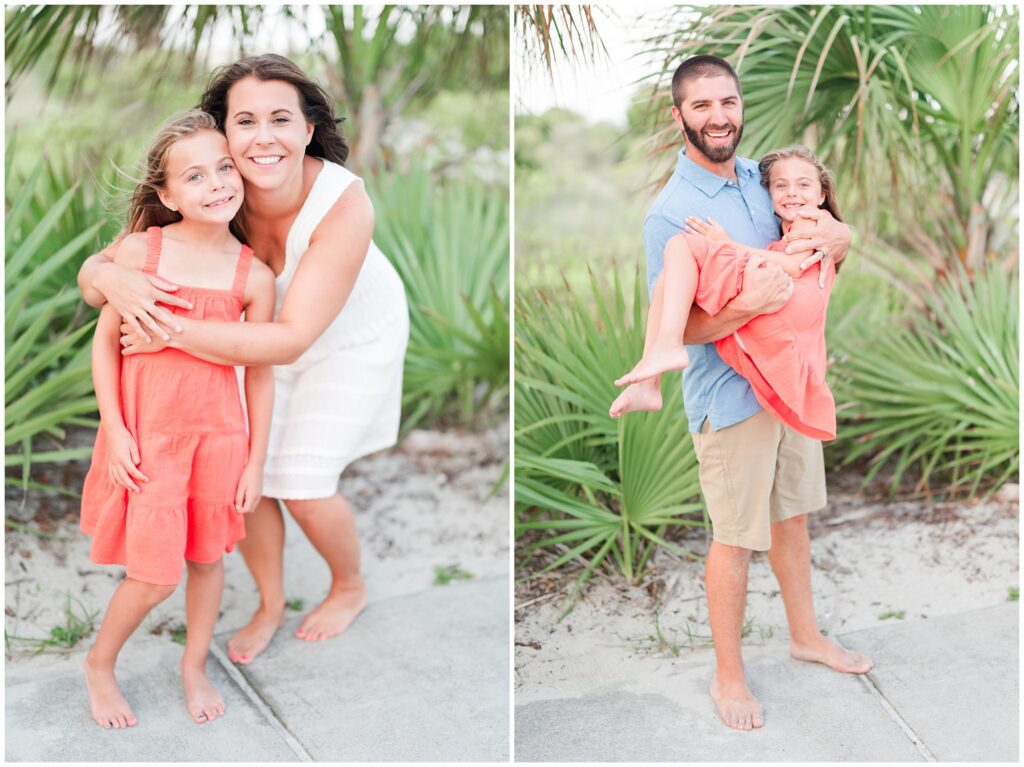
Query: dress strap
x=242, y=270
x=154, y=243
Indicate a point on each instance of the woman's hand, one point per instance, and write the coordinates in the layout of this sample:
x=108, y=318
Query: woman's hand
x=136, y=296
x=710, y=228
x=135, y=343
x=250, y=488
x=124, y=459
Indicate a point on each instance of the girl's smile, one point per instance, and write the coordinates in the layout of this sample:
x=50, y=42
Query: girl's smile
x=794, y=185
x=202, y=183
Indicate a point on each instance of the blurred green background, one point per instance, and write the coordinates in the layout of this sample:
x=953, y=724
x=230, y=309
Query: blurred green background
x=916, y=111
x=425, y=94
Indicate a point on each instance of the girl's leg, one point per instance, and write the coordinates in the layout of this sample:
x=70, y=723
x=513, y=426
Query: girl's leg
x=263, y=551
x=680, y=286
x=645, y=394
x=130, y=604
x=331, y=528
x=202, y=604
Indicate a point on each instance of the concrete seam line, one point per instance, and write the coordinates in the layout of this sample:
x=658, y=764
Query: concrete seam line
x=261, y=705
x=894, y=714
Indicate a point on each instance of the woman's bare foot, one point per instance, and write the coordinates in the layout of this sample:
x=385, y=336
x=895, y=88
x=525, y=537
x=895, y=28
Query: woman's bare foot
x=737, y=707
x=204, y=702
x=659, y=359
x=822, y=650
x=645, y=395
x=335, y=613
x=253, y=639
x=109, y=708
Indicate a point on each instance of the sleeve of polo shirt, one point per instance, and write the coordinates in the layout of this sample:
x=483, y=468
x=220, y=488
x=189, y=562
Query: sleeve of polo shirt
x=658, y=230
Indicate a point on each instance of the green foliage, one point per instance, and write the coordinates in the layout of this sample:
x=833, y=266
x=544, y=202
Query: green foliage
x=913, y=107
x=75, y=628
x=295, y=604
x=1013, y=594
x=939, y=390
x=52, y=225
x=443, y=575
x=591, y=486
x=450, y=246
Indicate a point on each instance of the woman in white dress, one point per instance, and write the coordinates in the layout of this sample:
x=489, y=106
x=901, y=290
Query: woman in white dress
x=337, y=343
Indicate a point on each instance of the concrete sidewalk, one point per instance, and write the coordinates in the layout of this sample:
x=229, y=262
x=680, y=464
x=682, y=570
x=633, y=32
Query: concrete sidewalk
x=942, y=689
x=418, y=677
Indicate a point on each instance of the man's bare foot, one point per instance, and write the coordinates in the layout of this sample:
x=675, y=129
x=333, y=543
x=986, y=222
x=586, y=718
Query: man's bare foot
x=203, y=700
x=825, y=651
x=660, y=359
x=109, y=708
x=250, y=641
x=736, y=706
x=645, y=395
x=334, y=615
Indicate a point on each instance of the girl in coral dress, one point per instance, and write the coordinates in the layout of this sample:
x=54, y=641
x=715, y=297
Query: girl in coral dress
x=782, y=354
x=175, y=467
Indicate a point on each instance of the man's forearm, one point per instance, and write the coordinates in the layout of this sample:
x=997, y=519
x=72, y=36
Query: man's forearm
x=702, y=328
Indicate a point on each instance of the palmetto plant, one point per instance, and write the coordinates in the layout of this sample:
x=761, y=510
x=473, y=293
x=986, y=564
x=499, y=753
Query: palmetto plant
x=450, y=246
x=52, y=223
x=939, y=393
x=593, y=487
x=373, y=61
x=908, y=104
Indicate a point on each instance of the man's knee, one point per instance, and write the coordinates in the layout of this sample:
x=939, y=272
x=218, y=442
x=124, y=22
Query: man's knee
x=790, y=526
x=739, y=555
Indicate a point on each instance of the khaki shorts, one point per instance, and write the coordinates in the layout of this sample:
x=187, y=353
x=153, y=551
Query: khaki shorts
x=756, y=472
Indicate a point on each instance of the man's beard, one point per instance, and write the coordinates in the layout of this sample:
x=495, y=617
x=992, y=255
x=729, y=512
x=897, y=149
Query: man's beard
x=714, y=152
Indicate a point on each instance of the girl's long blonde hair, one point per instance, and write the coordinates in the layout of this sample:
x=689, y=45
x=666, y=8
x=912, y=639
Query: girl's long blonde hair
x=144, y=206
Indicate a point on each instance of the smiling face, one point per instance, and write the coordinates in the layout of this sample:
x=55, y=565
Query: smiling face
x=266, y=130
x=794, y=184
x=711, y=115
x=202, y=182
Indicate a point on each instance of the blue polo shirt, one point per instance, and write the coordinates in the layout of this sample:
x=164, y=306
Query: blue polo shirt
x=711, y=389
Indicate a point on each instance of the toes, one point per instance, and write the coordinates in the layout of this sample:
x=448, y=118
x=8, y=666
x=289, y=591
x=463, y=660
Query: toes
x=758, y=720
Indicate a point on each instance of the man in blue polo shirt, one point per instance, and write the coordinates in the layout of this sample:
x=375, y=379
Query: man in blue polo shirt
x=759, y=478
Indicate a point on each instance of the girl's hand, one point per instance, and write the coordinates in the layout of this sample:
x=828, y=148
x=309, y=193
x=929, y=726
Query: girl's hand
x=710, y=228
x=250, y=488
x=135, y=296
x=134, y=343
x=124, y=459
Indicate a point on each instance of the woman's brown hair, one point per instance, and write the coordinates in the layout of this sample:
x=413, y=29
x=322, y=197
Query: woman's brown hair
x=327, y=142
x=144, y=206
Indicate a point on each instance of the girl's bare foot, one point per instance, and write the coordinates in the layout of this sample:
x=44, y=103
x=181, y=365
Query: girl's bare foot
x=822, y=650
x=737, y=707
x=109, y=708
x=335, y=613
x=253, y=639
x=659, y=359
x=203, y=700
x=645, y=395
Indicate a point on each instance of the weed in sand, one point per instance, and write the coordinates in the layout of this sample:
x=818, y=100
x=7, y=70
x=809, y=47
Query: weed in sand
x=898, y=614
x=1013, y=593
x=63, y=637
x=443, y=575
x=295, y=604
x=179, y=634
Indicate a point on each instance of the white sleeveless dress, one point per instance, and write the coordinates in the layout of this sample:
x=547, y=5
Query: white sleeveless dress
x=342, y=398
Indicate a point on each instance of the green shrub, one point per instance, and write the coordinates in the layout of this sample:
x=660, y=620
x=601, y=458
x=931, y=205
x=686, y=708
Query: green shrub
x=593, y=486
x=52, y=224
x=450, y=246
x=937, y=389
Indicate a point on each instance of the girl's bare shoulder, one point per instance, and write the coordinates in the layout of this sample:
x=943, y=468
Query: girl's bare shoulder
x=131, y=251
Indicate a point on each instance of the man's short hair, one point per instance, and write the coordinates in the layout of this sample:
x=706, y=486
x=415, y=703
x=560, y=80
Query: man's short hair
x=700, y=66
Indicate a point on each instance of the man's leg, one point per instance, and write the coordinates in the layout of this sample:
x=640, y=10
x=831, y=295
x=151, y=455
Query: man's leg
x=725, y=580
x=790, y=557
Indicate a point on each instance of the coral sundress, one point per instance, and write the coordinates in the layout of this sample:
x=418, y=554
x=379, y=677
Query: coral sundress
x=782, y=354
x=187, y=419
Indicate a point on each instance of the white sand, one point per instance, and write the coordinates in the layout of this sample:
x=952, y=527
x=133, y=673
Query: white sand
x=869, y=559
x=420, y=505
